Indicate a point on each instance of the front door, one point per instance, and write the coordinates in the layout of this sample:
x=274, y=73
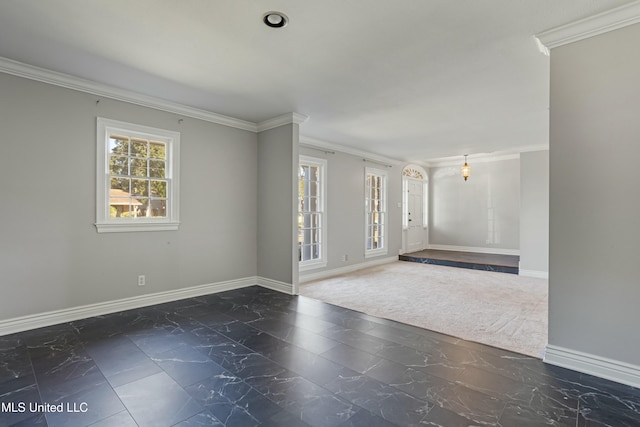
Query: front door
x=415, y=205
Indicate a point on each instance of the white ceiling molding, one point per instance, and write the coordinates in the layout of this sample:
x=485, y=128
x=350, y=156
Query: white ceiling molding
x=330, y=146
x=475, y=158
x=601, y=23
x=285, y=119
x=31, y=72
x=530, y=148
x=486, y=157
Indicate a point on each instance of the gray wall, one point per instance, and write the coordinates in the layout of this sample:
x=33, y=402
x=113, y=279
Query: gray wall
x=277, y=197
x=483, y=212
x=594, y=197
x=534, y=211
x=51, y=256
x=345, y=209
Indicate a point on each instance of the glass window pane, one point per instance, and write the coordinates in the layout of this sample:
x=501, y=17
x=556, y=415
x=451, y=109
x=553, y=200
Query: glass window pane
x=118, y=165
x=307, y=236
x=138, y=167
x=140, y=209
x=313, y=204
x=119, y=145
x=158, y=188
x=315, y=173
x=139, y=187
x=158, y=208
x=313, y=189
x=139, y=147
x=315, y=251
x=120, y=184
x=306, y=252
x=156, y=168
x=157, y=150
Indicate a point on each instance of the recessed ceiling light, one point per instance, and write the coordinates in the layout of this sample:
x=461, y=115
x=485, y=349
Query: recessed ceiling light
x=275, y=19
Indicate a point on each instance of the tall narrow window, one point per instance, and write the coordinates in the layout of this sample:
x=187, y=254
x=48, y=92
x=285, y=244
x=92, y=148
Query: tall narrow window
x=375, y=212
x=311, y=215
x=137, y=177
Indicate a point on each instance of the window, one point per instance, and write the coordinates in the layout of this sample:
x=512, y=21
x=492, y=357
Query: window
x=311, y=216
x=375, y=200
x=137, y=177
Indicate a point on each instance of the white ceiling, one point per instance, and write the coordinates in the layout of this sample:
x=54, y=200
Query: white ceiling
x=406, y=79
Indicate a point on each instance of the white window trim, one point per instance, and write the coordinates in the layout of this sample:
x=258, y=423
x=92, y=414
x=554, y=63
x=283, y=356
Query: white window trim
x=322, y=261
x=370, y=253
x=106, y=224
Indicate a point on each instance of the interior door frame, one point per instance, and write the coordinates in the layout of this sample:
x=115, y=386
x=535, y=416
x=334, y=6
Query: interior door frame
x=415, y=173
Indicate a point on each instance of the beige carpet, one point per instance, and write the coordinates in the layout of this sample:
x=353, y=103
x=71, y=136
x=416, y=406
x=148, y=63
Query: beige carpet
x=499, y=309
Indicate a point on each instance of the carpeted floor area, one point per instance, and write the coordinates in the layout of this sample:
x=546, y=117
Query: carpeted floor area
x=502, y=310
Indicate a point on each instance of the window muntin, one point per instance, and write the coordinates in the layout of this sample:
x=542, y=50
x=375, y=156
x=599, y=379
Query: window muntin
x=137, y=177
x=311, y=215
x=375, y=212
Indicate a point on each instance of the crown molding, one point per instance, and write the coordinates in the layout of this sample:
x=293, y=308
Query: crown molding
x=486, y=157
x=285, y=119
x=43, y=75
x=531, y=148
x=306, y=141
x=601, y=23
x=477, y=158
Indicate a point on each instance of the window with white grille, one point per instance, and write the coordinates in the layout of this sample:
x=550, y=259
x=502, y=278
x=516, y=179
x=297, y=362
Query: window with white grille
x=375, y=200
x=137, y=177
x=311, y=213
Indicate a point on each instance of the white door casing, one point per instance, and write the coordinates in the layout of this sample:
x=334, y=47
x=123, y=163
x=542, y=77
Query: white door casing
x=414, y=216
x=415, y=226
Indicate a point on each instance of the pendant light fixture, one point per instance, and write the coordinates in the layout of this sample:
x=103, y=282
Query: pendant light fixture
x=466, y=169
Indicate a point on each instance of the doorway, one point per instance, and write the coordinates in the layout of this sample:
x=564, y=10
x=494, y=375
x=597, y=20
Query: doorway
x=414, y=212
x=415, y=216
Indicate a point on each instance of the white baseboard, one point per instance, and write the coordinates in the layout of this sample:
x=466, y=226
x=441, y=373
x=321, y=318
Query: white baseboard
x=308, y=277
x=40, y=320
x=534, y=273
x=603, y=367
x=480, y=250
x=275, y=285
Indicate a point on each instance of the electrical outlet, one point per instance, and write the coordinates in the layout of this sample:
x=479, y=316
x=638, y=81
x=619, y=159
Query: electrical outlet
x=141, y=280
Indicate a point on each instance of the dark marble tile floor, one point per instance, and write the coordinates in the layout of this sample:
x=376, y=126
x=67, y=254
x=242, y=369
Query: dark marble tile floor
x=471, y=260
x=255, y=357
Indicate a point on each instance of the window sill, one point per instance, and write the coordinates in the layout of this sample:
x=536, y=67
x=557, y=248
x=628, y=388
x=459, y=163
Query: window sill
x=130, y=227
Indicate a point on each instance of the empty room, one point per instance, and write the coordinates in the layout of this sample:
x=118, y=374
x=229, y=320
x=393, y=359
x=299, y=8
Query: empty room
x=199, y=197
